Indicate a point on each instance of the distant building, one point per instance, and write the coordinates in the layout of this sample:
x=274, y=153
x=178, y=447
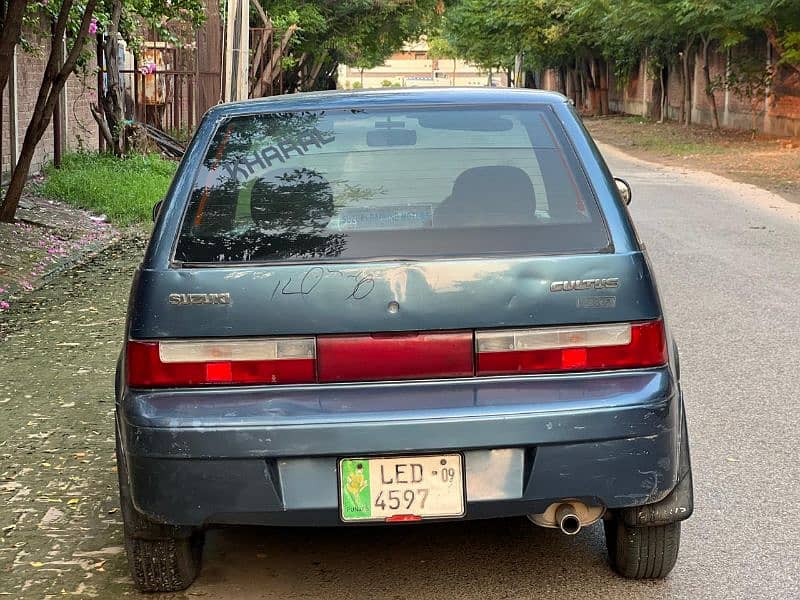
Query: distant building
x=412, y=67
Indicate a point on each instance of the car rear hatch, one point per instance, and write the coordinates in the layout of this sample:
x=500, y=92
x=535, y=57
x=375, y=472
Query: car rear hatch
x=411, y=320
x=391, y=245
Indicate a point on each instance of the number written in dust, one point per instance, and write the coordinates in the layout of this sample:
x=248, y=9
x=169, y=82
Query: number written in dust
x=363, y=283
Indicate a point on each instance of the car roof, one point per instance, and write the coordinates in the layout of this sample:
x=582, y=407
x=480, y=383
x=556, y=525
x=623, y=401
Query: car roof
x=344, y=99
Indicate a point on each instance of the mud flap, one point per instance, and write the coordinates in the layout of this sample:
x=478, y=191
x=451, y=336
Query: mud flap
x=678, y=505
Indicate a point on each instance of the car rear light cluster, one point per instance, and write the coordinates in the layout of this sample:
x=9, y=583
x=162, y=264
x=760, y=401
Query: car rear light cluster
x=564, y=349
x=186, y=363
x=395, y=356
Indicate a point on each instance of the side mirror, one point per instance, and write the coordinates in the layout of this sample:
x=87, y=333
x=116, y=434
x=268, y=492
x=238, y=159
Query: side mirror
x=624, y=189
x=157, y=209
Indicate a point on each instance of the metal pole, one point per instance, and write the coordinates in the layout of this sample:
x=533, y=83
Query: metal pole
x=135, y=87
x=237, y=50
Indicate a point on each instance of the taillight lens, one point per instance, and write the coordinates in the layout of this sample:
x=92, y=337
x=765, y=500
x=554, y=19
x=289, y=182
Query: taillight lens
x=185, y=363
x=388, y=356
x=395, y=356
x=567, y=349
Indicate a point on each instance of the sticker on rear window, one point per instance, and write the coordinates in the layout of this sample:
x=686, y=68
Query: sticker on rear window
x=382, y=217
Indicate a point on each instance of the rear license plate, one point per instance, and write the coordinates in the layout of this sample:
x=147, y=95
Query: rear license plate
x=400, y=487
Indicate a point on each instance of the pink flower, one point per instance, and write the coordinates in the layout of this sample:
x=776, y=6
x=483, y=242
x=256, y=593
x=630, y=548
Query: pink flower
x=4, y=305
x=93, y=26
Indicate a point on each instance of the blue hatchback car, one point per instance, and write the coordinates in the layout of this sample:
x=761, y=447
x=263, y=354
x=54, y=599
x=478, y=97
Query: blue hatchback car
x=391, y=307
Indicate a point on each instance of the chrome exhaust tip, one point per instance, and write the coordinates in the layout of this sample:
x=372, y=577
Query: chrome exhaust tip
x=568, y=521
x=570, y=515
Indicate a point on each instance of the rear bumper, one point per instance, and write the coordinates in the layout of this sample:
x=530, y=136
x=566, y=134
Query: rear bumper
x=268, y=455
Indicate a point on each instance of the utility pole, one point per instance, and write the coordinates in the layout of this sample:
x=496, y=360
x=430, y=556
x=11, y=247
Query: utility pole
x=237, y=50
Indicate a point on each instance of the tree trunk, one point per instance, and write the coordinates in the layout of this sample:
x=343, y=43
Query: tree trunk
x=272, y=73
x=562, y=80
x=113, y=99
x=686, y=104
x=10, y=26
x=774, y=40
x=591, y=86
x=707, y=81
x=576, y=87
x=663, y=103
x=602, y=77
x=55, y=76
x=311, y=78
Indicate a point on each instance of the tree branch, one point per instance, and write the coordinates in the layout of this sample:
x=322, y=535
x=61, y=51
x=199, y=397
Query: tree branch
x=101, y=123
x=77, y=46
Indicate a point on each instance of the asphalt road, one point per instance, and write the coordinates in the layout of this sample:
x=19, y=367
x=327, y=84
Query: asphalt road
x=727, y=258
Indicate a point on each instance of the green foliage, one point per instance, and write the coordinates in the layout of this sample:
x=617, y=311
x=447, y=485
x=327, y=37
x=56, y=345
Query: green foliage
x=39, y=16
x=791, y=43
x=556, y=33
x=440, y=47
x=160, y=15
x=360, y=33
x=124, y=189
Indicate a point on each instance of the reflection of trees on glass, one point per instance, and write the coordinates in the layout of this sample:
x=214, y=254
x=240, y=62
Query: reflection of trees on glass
x=292, y=200
x=290, y=209
x=263, y=141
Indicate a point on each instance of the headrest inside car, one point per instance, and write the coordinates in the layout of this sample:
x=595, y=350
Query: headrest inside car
x=492, y=195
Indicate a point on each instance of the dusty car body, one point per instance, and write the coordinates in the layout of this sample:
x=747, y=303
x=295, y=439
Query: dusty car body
x=352, y=298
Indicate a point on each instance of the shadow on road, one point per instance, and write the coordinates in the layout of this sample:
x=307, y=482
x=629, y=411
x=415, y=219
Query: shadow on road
x=480, y=559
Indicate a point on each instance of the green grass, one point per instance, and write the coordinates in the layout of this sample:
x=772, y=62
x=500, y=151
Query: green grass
x=635, y=120
x=123, y=189
x=678, y=148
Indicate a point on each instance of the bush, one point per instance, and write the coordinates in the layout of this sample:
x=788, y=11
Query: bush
x=356, y=85
x=124, y=189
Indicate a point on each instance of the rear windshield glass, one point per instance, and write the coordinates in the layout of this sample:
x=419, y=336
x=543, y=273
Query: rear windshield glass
x=371, y=184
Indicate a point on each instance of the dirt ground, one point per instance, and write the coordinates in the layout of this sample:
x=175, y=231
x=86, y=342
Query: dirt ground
x=768, y=162
x=60, y=532
x=47, y=238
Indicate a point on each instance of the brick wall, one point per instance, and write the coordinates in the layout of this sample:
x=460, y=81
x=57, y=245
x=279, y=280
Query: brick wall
x=639, y=93
x=81, y=129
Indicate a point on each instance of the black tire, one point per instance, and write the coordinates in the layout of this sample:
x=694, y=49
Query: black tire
x=642, y=552
x=168, y=565
x=162, y=558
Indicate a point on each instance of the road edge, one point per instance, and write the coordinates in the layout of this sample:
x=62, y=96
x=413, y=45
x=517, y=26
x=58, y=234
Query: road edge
x=747, y=193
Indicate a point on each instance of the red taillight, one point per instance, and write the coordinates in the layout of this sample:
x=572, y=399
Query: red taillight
x=394, y=356
x=565, y=349
x=186, y=363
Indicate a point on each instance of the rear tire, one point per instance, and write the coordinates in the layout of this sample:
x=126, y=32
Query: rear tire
x=642, y=552
x=162, y=558
x=167, y=565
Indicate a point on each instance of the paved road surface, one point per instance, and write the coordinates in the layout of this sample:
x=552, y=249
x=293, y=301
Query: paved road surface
x=727, y=257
